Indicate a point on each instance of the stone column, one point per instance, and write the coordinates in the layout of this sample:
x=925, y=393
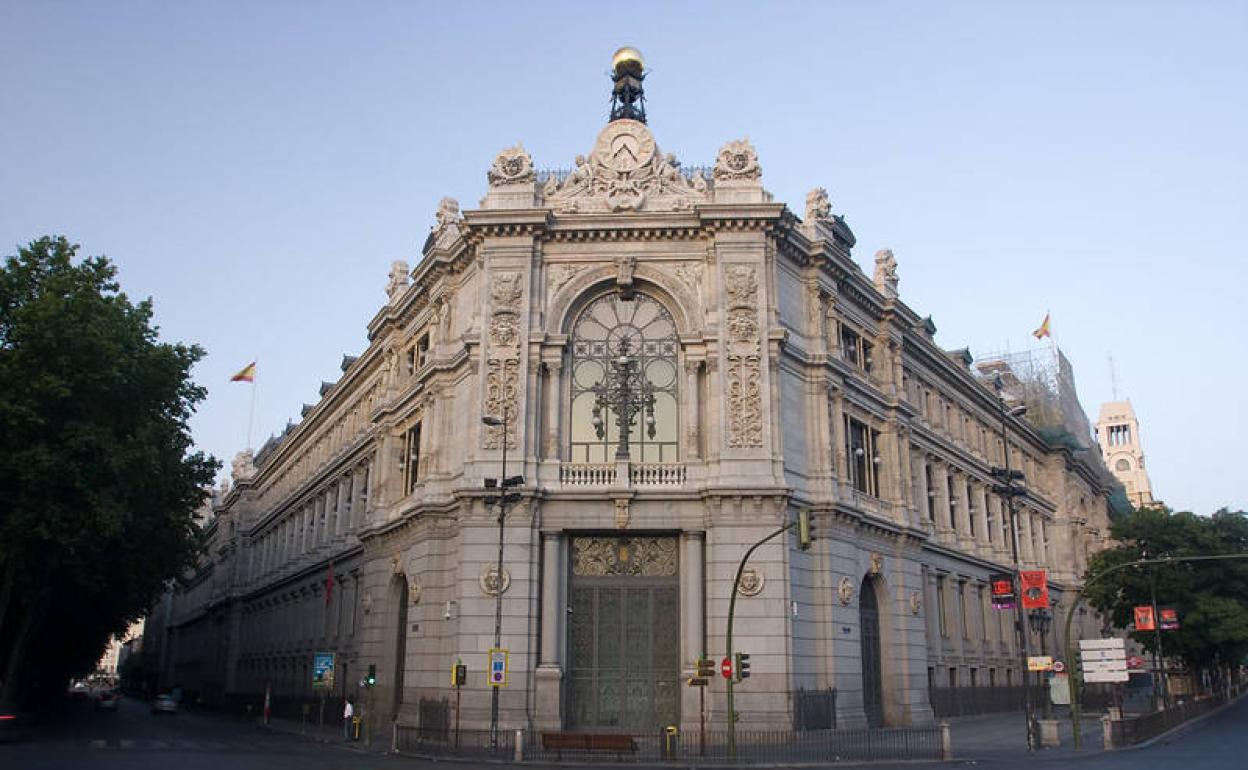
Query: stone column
x=549, y=674
x=944, y=523
x=922, y=503
x=1024, y=536
x=554, y=408
x=982, y=531
x=905, y=476
x=965, y=539
x=693, y=409
x=693, y=619
x=838, y=442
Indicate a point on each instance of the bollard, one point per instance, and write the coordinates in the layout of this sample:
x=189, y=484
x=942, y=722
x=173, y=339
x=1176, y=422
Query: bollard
x=1107, y=733
x=946, y=743
x=519, y=754
x=669, y=741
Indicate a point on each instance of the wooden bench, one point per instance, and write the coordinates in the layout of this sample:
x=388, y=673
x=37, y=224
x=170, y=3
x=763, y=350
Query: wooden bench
x=561, y=742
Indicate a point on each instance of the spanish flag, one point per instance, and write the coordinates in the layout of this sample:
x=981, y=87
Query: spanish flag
x=248, y=374
x=1040, y=333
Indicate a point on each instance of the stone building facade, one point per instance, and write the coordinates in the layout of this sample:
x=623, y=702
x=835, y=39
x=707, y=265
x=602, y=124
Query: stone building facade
x=766, y=372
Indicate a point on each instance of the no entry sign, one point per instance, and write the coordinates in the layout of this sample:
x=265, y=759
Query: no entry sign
x=725, y=668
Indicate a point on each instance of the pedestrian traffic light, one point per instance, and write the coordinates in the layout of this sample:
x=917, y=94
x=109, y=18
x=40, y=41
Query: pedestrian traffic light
x=371, y=679
x=741, y=667
x=706, y=667
x=804, y=531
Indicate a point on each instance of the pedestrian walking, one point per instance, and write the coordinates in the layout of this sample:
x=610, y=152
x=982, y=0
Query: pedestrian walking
x=348, y=715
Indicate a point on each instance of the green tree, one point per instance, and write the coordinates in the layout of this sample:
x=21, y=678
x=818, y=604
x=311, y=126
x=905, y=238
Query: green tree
x=98, y=477
x=1211, y=596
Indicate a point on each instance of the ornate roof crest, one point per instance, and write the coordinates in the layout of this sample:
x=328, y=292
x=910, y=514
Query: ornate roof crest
x=737, y=160
x=817, y=205
x=626, y=172
x=513, y=165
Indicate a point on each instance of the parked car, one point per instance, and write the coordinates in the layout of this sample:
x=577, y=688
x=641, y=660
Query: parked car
x=79, y=691
x=164, y=704
x=107, y=699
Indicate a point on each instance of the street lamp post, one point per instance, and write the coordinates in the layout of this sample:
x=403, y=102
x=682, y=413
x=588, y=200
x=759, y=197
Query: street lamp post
x=1040, y=621
x=1009, y=490
x=626, y=391
x=502, y=498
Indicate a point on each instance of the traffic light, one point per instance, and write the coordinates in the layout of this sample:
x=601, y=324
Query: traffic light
x=805, y=533
x=706, y=667
x=741, y=666
x=371, y=679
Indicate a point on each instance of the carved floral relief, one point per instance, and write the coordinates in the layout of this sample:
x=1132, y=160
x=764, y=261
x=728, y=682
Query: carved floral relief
x=745, y=404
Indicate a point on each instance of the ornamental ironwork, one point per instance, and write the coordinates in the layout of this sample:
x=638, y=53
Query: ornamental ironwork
x=624, y=381
x=625, y=556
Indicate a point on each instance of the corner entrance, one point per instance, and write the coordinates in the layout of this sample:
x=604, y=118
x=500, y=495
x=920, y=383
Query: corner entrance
x=624, y=634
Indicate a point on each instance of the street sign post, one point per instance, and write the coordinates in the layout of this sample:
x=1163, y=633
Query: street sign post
x=498, y=667
x=1104, y=660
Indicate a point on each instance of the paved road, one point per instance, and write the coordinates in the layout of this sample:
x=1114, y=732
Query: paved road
x=132, y=737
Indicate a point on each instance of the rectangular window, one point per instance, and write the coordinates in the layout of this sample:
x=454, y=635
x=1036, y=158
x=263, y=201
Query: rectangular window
x=861, y=444
x=849, y=346
x=964, y=610
x=409, y=361
x=422, y=351
x=992, y=677
x=953, y=676
x=941, y=617
x=974, y=677
x=410, y=461
x=931, y=493
x=970, y=514
x=855, y=350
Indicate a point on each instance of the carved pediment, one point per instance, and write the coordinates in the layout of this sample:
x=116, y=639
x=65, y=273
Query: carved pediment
x=626, y=171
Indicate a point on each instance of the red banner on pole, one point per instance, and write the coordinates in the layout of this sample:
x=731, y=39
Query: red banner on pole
x=1035, y=589
x=1144, y=620
x=1169, y=618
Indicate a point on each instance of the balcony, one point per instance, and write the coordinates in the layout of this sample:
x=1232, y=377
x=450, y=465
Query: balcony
x=574, y=475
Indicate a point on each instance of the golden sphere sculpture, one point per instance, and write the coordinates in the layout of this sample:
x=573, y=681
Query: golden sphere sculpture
x=627, y=61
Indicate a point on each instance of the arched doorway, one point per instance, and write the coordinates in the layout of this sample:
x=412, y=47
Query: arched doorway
x=872, y=663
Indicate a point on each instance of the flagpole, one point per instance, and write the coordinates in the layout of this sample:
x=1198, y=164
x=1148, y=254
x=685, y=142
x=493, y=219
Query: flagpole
x=251, y=417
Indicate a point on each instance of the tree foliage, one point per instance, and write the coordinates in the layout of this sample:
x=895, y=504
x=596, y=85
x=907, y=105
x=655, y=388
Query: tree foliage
x=98, y=477
x=1211, y=596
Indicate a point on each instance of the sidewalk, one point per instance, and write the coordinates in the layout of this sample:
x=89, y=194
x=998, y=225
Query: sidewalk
x=995, y=736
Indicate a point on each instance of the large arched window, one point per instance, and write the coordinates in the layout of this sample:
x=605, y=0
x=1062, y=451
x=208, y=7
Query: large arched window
x=644, y=330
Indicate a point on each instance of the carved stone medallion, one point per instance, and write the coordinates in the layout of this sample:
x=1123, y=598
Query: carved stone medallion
x=489, y=581
x=751, y=582
x=624, y=146
x=845, y=590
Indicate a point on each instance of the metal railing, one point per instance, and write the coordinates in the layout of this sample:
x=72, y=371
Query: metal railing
x=1133, y=730
x=753, y=747
x=971, y=701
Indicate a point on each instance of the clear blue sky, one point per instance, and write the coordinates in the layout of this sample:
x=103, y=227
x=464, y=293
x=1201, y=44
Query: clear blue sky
x=255, y=167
